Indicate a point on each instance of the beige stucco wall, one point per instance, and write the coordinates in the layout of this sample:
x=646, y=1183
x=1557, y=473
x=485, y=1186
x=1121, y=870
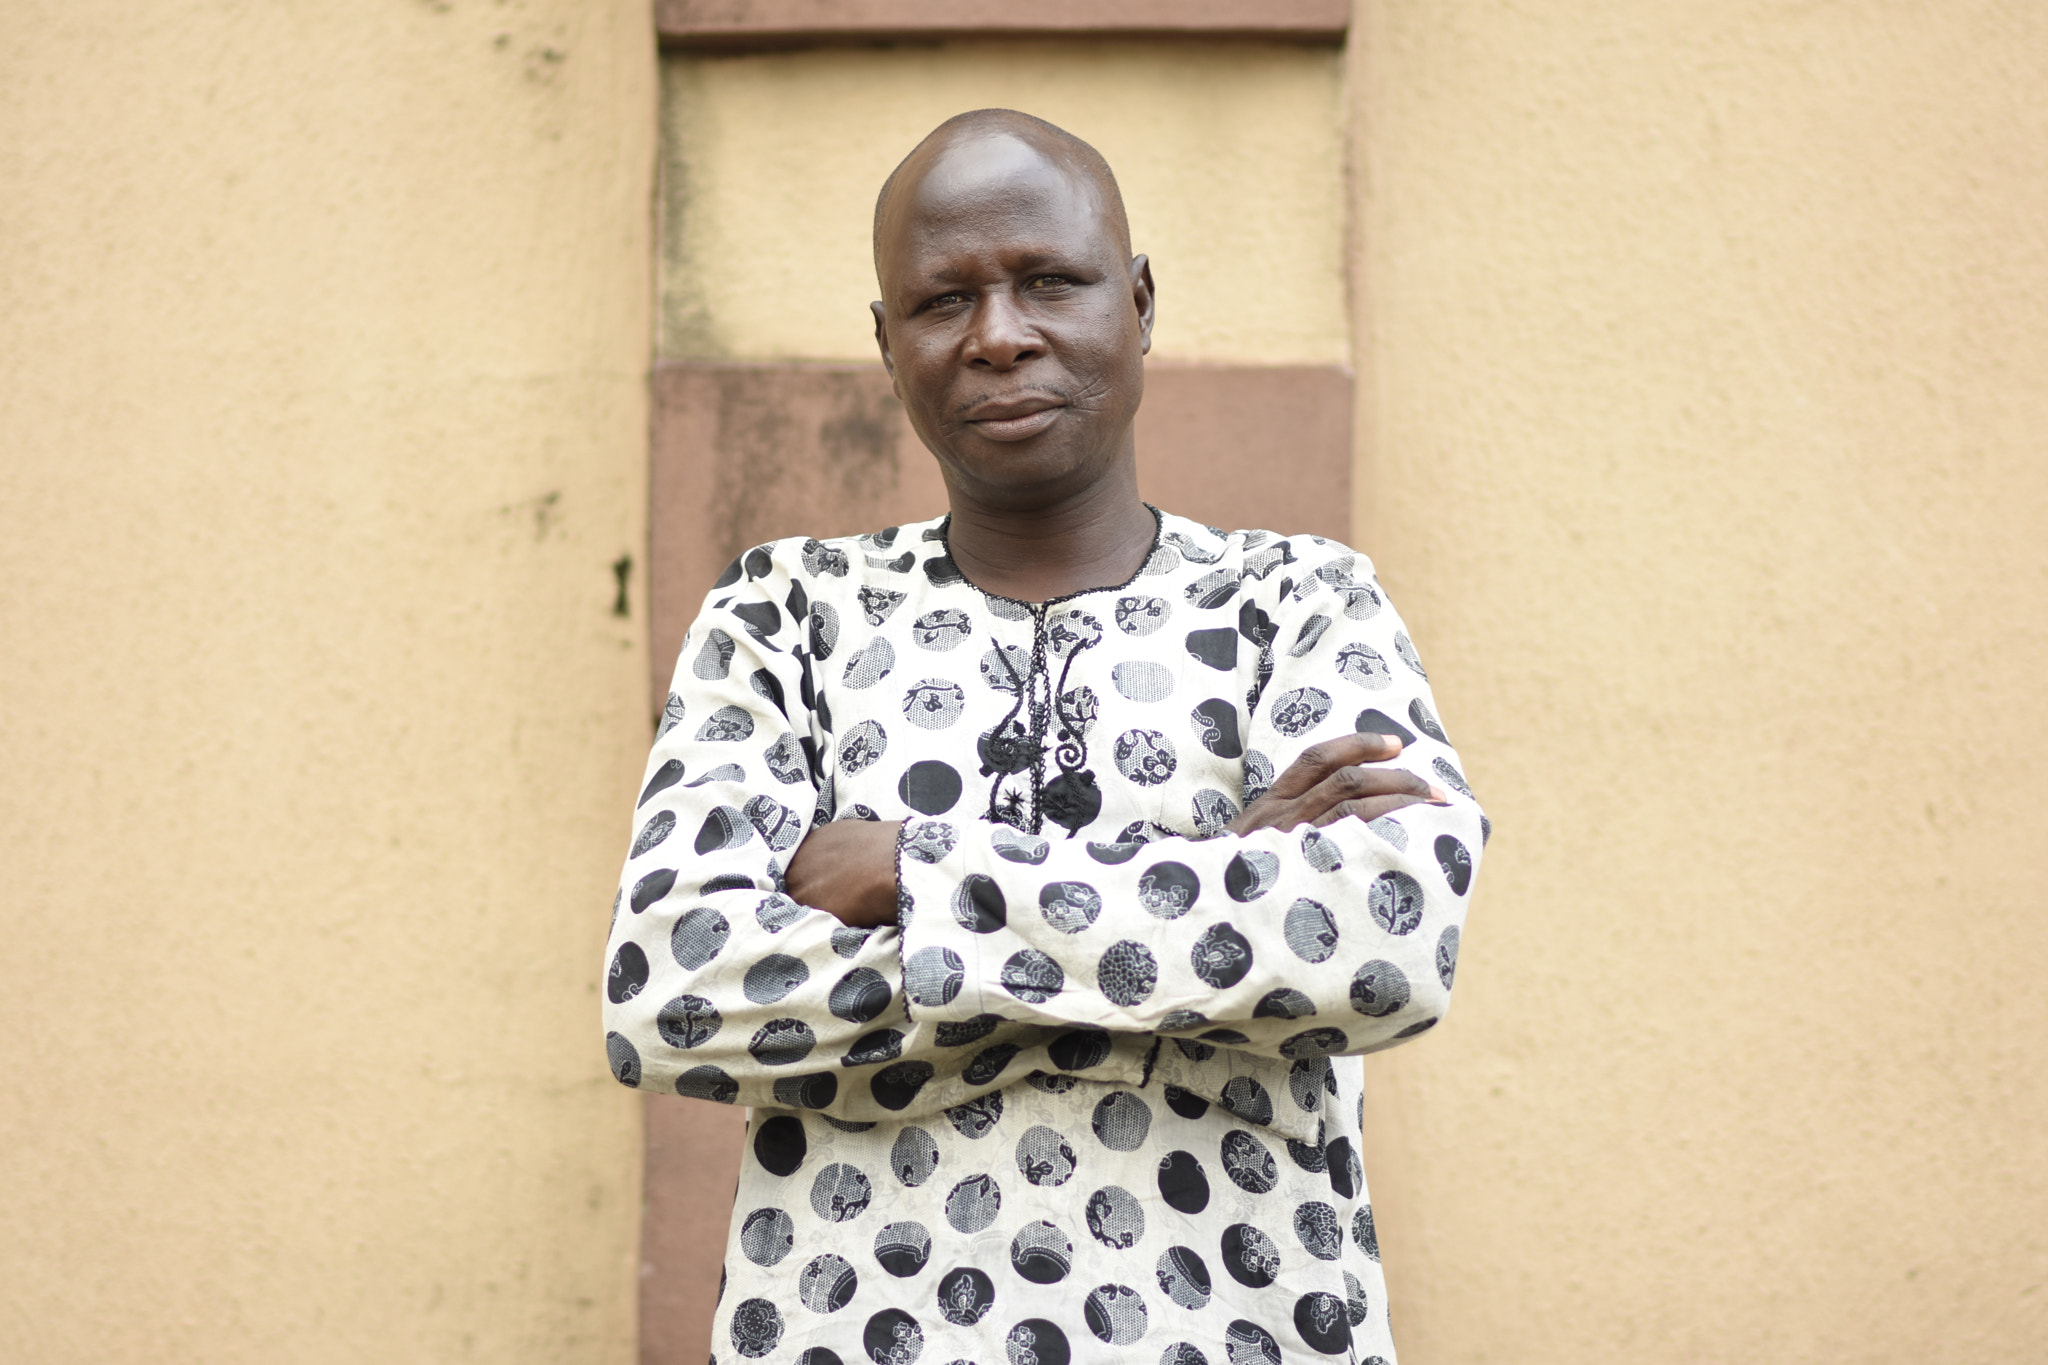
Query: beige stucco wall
x=1705, y=442
x=1230, y=157
x=323, y=331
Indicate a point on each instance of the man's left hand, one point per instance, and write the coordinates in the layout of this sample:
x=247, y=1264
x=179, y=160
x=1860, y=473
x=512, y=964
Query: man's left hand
x=848, y=869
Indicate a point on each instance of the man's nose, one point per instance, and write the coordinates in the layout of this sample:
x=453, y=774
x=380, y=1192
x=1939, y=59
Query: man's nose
x=1002, y=336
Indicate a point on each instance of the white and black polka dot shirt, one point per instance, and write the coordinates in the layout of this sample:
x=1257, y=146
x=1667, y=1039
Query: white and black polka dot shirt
x=1090, y=1101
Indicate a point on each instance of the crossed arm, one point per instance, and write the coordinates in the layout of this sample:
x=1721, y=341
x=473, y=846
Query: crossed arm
x=848, y=868
x=761, y=961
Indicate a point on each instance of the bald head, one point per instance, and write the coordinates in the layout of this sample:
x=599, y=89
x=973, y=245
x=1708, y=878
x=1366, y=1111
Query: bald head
x=995, y=142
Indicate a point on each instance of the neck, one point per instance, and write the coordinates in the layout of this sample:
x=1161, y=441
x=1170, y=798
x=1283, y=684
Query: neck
x=1095, y=538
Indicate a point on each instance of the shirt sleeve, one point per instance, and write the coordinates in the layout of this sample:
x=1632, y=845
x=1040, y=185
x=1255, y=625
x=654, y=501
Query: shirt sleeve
x=721, y=987
x=1296, y=944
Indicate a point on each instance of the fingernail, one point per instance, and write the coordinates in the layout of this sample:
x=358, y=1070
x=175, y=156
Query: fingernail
x=1440, y=796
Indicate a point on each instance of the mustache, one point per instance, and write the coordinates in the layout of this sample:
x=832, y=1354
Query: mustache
x=1051, y=391
x=1084, y=397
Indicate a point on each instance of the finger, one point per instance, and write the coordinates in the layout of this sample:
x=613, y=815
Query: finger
x=1355, y=784
x=1318, y=761
x=1350, y=784
x=1369, y=808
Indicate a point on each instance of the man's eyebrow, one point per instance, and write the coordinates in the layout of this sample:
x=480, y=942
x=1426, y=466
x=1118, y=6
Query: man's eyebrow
x=941, y=277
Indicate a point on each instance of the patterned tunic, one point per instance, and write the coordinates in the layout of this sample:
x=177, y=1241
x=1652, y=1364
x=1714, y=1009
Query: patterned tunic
x=1093, y=1100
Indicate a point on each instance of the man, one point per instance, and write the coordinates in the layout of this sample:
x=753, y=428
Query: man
x=1025, y=869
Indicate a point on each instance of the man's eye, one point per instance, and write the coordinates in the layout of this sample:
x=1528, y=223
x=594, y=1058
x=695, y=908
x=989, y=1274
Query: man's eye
x=1049, y=281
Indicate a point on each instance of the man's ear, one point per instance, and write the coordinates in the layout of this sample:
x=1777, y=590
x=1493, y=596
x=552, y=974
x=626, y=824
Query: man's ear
x=882, y=338
x=1141, y=295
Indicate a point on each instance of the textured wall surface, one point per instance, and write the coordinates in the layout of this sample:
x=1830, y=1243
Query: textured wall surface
x=324, y=331
x=1229, y=155
x=1705, y=441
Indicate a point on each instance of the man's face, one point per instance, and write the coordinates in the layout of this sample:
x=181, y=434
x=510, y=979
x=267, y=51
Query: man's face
x=1012, y=320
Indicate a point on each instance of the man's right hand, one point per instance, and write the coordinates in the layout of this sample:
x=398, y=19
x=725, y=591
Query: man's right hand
x=1328, y=783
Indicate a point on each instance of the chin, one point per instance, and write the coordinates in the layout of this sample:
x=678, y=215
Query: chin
x=1040, y=465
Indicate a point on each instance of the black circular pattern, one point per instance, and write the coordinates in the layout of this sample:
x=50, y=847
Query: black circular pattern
x=987, y=1064
x=965, y=1296
x=1045, y=1157
x=827, y=1284
x=1363, y=666
x=840, y=1193
x=859, y=996
x=973, y=1203
x=779, y=1144
x=939, y=631
x=1142, y=615
x=903, y=1248
x=1069, y=907
x=1283, y=1002
x=707, y=1083
x=1079, y=1049
x=1251, y=874
x=1146, y=757
x=892, y=1337
x=766, y=1236
x=1183, y=1277
x=1363, y=1232
x=1215, y=722
x=1299, y=710
x=1394, y=901
x=756, y=1328
x=1169, y=889
x=628, y=974
x=782, y=1042
x=1249, y=1162
x=914, y=1156
x=1182, y=1183
x=1246, y=1098
x=1121, y=1121
x=1316, y=1225
x=773, y=977
x=1356, y=1308
x=1041, y=1253
x=1321, y=1320
x=1115, y=1217
x=895, y=1086
x=934, y=704
x=1456, y=863
x=977, y=1118
x=1221, y=956
x=933, y=976
x=1378, y=989
x=1127, y=973
x=1142, y=680
x=688, y=1021
x=1115, y=1313
x=978, y=904
x=624, y=1058
x=1310, y=930
x=930, y=787
x=1031, y=976
x=1249, y=1256
x=1035, y=1341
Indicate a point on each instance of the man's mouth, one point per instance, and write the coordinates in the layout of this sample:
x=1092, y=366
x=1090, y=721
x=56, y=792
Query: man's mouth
x=1014, y=421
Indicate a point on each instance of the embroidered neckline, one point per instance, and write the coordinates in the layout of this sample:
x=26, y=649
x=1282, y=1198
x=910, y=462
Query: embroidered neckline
x=1158, y=538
